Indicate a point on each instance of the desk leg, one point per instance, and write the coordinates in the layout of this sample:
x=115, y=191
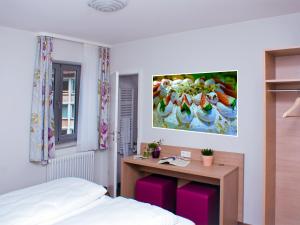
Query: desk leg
x=129, y=176
x=229, y=199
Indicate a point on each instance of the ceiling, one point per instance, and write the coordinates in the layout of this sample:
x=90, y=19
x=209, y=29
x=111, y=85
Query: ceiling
x=140, y=19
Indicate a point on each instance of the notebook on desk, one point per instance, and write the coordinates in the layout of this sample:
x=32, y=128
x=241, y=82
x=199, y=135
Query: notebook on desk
x=174, y=161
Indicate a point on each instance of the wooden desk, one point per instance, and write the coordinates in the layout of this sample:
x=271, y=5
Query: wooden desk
x=226, y=176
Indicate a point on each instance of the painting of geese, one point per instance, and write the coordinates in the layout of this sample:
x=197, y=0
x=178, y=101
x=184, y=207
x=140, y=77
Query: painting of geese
x=199, y=102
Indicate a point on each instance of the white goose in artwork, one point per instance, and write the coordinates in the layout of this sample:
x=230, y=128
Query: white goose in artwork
x=205, y=111
x=227, y=105
x=184, y=112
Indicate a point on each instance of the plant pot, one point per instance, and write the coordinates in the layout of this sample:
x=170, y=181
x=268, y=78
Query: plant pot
x=207, y=160
x=146, y=154
x=155, y=154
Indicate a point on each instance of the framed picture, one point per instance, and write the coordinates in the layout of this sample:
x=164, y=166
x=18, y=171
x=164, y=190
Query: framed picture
x=199, y=102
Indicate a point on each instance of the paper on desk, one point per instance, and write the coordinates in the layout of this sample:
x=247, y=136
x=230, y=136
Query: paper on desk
x=174, y=161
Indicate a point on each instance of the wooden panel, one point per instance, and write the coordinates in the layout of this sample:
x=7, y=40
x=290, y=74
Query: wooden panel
x=221, y=158
x=283, y=81
x=284, y=52
x=269, y=67
x=129, y=175
x=190, y=177
x=283, y=86
x=182, y=182
x=287, y=163
x=287, y=67
x=229, y=198
x=270, y=145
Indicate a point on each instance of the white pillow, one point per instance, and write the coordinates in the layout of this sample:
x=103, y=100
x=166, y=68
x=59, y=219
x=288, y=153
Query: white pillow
x=46, y=201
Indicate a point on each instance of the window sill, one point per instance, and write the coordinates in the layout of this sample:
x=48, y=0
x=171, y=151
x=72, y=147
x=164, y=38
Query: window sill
x=66, y=148
x=66, y=145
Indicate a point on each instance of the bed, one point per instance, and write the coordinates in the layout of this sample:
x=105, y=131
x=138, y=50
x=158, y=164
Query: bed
x=74, y=201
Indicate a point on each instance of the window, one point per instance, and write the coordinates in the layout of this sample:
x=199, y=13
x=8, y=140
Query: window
x=66, y=99
x=65, y=111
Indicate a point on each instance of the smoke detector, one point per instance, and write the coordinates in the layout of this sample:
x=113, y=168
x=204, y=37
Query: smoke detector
x=107, y=5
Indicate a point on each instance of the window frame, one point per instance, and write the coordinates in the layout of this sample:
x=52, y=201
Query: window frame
x=58, y=68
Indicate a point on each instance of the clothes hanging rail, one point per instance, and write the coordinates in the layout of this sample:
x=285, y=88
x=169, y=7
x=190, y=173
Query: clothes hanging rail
x=284, y=90
x=73, y=39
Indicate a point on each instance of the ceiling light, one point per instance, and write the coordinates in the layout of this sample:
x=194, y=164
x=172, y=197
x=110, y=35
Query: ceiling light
x=108, y=5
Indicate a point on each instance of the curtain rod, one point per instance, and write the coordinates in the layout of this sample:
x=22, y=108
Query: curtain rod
x=67, y=38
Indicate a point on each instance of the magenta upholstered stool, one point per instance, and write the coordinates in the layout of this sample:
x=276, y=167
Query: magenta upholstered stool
x=199, y=203
x=157, y=190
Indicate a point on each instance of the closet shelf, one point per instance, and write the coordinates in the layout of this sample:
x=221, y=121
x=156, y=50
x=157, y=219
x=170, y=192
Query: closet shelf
x=283, y=81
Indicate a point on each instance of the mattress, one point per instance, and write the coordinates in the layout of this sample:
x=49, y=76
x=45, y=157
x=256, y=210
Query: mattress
x=44, y=202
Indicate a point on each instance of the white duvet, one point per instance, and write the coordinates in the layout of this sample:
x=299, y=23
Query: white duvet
x=44, y=202
x=73, y=201
x=122, y=211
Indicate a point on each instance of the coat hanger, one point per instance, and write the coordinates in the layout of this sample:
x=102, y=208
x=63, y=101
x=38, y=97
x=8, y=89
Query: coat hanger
x=294, y=110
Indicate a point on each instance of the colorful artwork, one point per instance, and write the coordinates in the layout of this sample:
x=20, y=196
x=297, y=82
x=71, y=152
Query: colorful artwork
x=201, y=102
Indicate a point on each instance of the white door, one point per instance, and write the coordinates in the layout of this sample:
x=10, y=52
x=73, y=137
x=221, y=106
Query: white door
x=112, y=152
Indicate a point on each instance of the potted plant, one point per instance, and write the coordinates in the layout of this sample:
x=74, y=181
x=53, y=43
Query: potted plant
x=154, y=148
x=207, y=156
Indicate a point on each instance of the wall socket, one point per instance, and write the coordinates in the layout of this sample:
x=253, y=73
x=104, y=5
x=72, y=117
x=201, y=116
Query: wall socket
x=186, y=154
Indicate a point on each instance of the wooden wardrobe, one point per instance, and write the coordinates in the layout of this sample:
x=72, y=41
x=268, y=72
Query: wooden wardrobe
x=282, y=138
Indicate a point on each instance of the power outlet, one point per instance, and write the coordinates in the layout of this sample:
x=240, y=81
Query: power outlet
x=185, y=154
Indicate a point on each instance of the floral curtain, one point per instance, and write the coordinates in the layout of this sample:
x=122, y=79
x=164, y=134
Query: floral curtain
x=103, y=98
x=42, y=140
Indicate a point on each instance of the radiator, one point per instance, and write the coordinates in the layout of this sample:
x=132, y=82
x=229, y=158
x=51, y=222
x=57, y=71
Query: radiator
x=75, y=165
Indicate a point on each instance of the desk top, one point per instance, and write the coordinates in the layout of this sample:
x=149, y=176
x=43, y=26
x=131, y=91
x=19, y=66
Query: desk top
x=195, y=167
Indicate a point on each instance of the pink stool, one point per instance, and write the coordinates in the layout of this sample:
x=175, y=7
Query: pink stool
x=199, y=203
x=157, y=190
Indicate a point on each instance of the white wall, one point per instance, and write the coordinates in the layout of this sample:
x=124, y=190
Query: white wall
x=17, y=53
x=237, y=46
x=68, y=51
